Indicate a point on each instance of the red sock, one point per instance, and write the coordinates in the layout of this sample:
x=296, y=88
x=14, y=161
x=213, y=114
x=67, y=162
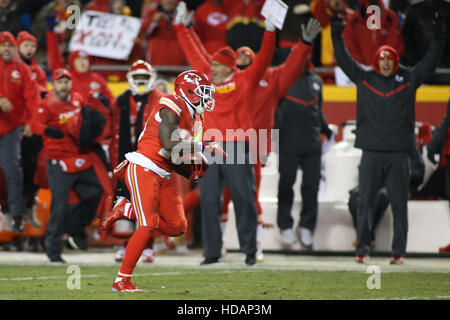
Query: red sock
x=133, y=252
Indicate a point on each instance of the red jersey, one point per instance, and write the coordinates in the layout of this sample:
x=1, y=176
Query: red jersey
x=149, y=144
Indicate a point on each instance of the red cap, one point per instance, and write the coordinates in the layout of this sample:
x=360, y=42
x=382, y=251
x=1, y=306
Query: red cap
x=60, y=73
x=225, y=56
x=386, y=52
x=26, y=36
x=247, y=51
x=7, y=36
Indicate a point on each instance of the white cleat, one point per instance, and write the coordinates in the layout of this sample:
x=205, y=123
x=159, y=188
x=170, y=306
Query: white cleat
x=305, y=236
x=288, y=237
x=259, y=252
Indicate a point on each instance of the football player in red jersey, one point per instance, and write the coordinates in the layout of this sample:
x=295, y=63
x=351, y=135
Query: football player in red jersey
x=131, y=110
x=155, y=203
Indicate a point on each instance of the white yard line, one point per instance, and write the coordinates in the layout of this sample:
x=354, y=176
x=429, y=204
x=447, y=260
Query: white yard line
x=234, y=261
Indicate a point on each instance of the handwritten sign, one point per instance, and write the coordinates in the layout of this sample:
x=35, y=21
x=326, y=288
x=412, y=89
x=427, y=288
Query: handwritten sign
x=105, y=35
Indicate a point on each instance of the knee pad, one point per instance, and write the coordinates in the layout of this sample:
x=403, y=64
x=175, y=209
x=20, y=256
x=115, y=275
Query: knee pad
x=180, y=229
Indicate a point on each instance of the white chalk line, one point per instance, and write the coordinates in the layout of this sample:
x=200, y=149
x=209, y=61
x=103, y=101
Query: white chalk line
x=157, y=274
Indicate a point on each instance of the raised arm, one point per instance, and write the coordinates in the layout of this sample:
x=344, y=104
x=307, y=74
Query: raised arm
x=429, y=62
x=55, y=58
x=193, y=53
x=191, y=50
x=294, y=66
x=351, y=68
x=199, y=43
x=262, y=60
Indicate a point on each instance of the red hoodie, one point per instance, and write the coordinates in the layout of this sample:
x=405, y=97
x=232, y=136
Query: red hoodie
x=17, y=85
x=38, y=74
x=362, y=42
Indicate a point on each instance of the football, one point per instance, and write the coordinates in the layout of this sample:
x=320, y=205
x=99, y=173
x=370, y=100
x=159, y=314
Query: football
x=192, y=166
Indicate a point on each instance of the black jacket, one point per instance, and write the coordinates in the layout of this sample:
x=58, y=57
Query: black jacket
x=299, y=117
x=439, y=134
x=385, y=106
x=125, y=134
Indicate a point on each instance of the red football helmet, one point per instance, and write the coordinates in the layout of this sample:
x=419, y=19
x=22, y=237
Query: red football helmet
x=195, y=88
x=145, y=83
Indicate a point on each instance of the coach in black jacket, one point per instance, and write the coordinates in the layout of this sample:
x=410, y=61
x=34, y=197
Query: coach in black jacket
x=385, y=130
x=300, y=121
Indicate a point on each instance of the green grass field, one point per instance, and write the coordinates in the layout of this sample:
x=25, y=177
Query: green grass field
x=184, y=283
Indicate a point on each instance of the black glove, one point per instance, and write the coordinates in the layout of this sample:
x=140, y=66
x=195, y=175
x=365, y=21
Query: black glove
x=103, y=99
x=438, y=25
x=337, y=25
x=54, y=133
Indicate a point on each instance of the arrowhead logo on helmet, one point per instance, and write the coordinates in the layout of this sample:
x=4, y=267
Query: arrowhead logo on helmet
x=196, y=89
x=141, y=77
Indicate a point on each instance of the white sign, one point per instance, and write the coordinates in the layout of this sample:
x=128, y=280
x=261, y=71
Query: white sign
x=105, y=35
x=275, y=11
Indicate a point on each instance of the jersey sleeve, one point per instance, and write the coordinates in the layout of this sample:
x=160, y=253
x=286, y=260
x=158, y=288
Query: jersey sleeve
x=167, y=103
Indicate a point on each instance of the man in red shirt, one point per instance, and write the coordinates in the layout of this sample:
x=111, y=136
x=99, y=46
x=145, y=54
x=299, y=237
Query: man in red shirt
x=31, y=145
x=26, y=47
x=228, y=123
x=162, y=46
x=18, y=96
x=68, y=164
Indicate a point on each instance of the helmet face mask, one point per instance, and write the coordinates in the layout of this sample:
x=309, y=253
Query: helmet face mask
x=141, y=78
x=195, y=88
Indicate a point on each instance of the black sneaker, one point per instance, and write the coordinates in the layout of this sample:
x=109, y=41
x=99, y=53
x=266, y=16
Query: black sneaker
x=78, y=241
x=57, y=260
x=18, y=225
x=210, y=261
x=250, y=260
x=30, y=217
